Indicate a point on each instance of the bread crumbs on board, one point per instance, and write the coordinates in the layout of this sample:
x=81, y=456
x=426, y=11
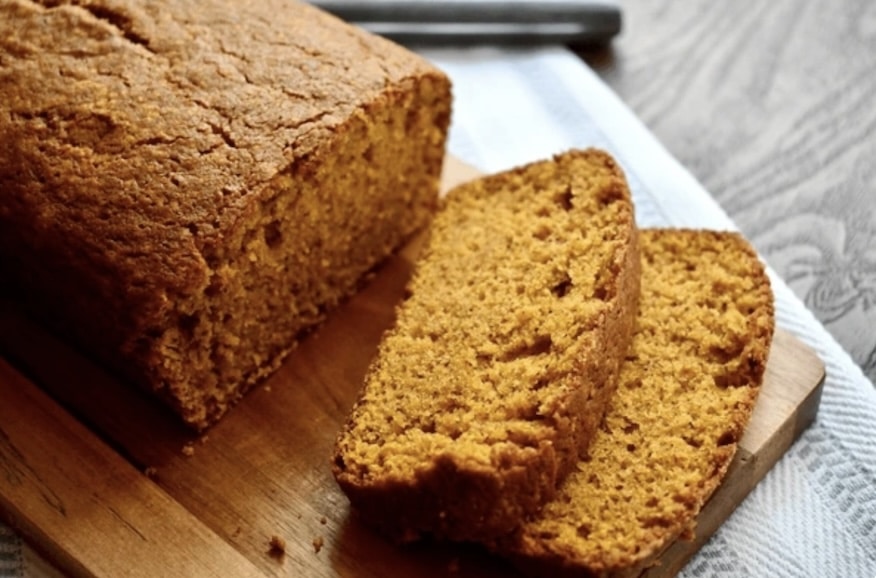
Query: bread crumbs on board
x=318, y=543
x=277, y=547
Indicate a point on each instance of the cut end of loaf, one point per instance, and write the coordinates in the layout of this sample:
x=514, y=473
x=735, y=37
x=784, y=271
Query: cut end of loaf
x=503, y=355
x=318, y=228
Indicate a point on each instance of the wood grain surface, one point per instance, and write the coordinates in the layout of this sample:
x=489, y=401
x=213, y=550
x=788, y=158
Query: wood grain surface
x=772, y=106
x=105, y=482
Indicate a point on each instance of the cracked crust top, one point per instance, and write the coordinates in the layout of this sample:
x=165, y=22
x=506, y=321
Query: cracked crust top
x=202, y=94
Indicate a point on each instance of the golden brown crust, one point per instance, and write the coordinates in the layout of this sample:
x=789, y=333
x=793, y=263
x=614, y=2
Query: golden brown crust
x=686, y=392
x=487, y=390
x=207, y=179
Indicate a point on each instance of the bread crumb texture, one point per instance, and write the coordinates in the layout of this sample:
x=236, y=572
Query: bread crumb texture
x=503, y=354
x=687, y=390
x=187, y=186
x=277, y=547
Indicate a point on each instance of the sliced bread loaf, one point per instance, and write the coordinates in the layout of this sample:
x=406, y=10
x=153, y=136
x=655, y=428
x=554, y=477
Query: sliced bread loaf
x=504, y=355
x=189, y=187
x=686, y=392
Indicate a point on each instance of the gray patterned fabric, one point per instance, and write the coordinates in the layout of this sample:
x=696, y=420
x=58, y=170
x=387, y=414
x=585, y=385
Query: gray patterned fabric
x=815, y=513
x=10, y=553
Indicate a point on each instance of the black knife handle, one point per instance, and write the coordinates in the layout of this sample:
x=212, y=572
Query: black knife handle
x=484, y=21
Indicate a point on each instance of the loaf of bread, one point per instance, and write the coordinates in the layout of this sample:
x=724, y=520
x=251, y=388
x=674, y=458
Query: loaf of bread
x=487, y=390
x=687, y=390
x=188, y=186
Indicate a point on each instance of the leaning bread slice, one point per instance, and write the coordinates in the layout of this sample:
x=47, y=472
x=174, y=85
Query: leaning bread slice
x=503, y=356
x=686, y=393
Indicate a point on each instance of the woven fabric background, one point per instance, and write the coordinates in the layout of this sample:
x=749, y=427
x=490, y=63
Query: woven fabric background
x=10, y=553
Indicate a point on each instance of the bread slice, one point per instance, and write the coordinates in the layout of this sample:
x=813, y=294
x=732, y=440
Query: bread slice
x=504, y=355
x=686, y=392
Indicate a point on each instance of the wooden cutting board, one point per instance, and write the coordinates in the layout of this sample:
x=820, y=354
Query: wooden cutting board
x=105, y=482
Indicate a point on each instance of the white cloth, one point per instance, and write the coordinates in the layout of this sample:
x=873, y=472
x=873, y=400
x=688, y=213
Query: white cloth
x=815, y=512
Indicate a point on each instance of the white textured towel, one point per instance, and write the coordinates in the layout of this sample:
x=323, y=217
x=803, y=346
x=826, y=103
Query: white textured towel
x=815, y=512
